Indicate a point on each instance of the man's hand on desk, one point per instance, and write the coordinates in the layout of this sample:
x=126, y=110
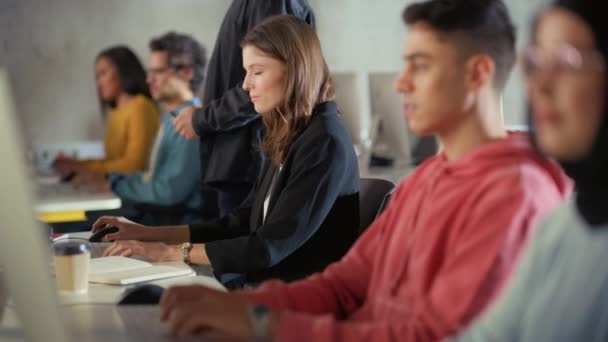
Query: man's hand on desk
x=96, y=181
x=127, y=229
x=65, y=166
x=190, y=310
x=150, y=251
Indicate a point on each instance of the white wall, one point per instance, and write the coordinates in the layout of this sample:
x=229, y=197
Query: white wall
x=368, y=35
x=49, y=48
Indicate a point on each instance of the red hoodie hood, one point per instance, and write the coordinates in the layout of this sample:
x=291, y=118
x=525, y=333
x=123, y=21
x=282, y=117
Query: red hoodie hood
x=515, y=149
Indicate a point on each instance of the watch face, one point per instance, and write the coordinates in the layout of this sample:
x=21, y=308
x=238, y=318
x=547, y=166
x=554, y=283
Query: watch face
x=259, y=316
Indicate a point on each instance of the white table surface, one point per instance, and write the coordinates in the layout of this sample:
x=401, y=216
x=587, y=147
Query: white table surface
x=52, y=196
x=98, y=322
x=94, y=316
x=111, y=294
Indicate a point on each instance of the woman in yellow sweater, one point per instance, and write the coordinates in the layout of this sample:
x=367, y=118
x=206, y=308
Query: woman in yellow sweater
x=132, y=120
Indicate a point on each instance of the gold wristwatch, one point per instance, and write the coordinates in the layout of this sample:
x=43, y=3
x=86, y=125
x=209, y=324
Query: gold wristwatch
x=185, y=248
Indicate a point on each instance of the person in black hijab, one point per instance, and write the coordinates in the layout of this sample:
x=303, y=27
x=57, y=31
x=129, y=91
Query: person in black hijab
x=230, y=130
x=560, y=289
x=591, y=172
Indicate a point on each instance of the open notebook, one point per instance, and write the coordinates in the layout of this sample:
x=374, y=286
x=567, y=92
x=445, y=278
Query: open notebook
x=118, y=270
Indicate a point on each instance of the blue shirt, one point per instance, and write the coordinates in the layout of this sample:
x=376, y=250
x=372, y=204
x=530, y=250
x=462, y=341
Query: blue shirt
x=173, y=175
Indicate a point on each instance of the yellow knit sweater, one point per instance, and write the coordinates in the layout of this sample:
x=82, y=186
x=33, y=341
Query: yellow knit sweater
x=130, y=132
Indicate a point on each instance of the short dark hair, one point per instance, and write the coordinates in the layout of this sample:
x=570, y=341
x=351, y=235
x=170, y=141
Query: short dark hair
x=131, y=72
x=481, y=26
x=183, y=52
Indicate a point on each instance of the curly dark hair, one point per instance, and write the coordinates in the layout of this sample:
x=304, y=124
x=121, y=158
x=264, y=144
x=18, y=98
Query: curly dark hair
x=184, y=52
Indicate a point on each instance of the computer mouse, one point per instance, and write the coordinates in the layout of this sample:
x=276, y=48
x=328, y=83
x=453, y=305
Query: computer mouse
x=98, y=235
x=148, y=294
x=68, y=178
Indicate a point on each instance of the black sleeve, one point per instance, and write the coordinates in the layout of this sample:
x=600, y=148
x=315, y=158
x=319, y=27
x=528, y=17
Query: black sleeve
x=227, y=227
x=318, y=172
x=260, y=10
x=232, y=110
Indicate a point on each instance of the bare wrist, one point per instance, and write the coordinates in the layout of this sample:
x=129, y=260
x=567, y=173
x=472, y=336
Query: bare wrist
x=106, y=186
x=148, y=233
x=174, y=253
x=273, y=325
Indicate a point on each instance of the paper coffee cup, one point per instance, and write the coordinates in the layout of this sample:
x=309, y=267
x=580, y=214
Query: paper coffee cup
x=72, y=266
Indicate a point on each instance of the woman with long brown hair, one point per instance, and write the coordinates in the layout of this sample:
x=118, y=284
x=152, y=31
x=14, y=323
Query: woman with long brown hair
x=304, y=211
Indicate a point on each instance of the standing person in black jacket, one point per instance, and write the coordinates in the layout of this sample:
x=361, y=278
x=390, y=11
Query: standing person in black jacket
x=229, y=128
x=305, y=210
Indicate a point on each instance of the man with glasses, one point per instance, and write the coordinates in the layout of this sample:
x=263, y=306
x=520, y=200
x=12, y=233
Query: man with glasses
x=168, y=192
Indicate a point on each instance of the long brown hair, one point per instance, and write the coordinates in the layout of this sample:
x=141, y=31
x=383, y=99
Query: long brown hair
x=293, y=42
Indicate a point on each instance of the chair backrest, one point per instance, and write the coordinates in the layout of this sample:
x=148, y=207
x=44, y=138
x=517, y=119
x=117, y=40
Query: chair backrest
x=374, y=194
x=385, y=202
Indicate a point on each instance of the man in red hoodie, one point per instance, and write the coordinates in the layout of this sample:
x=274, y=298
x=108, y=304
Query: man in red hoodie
x=450, y=237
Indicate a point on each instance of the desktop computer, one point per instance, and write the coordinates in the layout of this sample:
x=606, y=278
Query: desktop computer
x=24, y=251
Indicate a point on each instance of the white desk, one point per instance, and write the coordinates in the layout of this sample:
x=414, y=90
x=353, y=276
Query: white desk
x=105, y=323
x=110, y=294
x=57, y=197
x=95, y=317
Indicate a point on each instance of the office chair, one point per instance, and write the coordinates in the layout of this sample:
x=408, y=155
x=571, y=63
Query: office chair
x=374, y=195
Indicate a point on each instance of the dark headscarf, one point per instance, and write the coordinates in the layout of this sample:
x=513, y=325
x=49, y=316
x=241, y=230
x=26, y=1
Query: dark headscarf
x=591, y=173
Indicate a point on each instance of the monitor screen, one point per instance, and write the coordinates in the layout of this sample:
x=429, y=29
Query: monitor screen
x=24, y=253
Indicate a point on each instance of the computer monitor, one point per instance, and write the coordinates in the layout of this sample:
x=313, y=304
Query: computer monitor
x=24, y=255
x=353, y=104
x=386, y=106
x=406, y=148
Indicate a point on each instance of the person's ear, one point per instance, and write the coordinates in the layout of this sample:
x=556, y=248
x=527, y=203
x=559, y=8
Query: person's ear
x=187, y=74
x=481, y=69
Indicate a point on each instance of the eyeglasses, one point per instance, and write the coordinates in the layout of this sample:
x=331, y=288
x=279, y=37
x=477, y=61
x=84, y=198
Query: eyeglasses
x=564, y=61
x=160, y=71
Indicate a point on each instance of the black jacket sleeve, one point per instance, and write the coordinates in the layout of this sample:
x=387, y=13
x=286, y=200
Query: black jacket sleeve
x=235, y=224
x=315, y=179
x=231, y=107
x=227, y=227
x=233, y=110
